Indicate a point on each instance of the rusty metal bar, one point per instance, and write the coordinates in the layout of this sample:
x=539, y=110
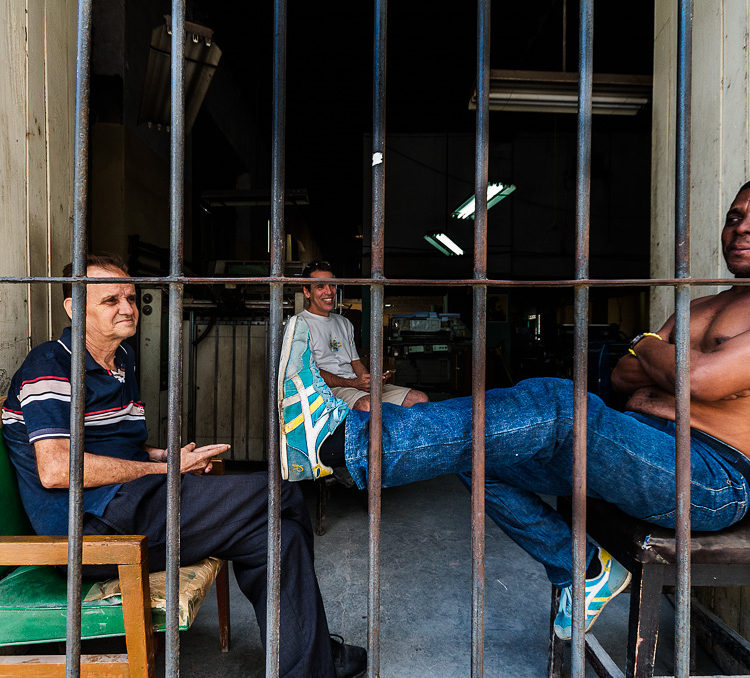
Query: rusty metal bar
x=391, y=282
x=174, y=381
x=479, y=338
x=248, y=375
x=580, y=353
x=276, y=255
x=234, y=383
x=192, y=376
x=78, y=346
x=215, y=411
x=380, y=43
x=682, y=339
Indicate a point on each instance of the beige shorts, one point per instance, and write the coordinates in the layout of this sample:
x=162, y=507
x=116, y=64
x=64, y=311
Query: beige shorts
x=391, y=394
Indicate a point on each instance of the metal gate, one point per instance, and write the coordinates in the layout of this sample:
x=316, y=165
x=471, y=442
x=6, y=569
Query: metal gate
x=377, y=282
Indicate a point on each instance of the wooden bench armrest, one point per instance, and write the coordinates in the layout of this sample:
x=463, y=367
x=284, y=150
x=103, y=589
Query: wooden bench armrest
x=97, y=550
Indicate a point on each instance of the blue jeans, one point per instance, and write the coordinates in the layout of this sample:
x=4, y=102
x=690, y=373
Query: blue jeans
x=529, y=450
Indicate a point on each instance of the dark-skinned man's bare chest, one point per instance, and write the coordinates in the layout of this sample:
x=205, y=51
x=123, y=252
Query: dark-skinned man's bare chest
x=718, y=319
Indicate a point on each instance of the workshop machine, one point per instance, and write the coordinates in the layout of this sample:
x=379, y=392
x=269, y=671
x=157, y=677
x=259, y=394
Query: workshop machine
x=427, y=350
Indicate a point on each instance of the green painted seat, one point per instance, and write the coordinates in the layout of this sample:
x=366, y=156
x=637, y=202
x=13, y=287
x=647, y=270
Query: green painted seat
x=33, y=596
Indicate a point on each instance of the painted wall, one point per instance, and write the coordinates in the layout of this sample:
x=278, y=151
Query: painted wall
x=37, y=85
x=720, y=141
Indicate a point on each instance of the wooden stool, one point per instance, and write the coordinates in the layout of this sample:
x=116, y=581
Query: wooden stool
x=649, y=552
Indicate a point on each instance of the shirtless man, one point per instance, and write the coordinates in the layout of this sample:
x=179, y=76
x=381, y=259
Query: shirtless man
x=720, y=351
x=529, y=435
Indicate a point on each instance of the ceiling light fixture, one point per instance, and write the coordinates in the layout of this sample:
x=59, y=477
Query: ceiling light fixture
x=202, y=57
x=495, y=193
x=443, y=243
x=557, y=92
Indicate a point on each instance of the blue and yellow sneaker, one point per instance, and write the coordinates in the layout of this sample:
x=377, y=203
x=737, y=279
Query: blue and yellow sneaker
x=308, y=411
x=612, y=580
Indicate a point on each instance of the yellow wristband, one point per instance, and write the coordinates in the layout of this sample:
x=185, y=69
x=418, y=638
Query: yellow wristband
x=631, y=348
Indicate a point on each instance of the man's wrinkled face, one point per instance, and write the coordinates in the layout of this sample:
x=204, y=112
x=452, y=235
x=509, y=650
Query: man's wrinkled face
x=735, y=237
x=322, y=296
x=111, y=313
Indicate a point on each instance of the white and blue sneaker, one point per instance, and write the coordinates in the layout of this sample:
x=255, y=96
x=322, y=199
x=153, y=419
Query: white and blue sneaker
x=308, y=411
x=612, y=580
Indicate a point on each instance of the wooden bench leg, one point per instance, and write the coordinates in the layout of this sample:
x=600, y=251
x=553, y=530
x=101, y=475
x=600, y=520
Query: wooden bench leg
x=136, y=612
x=556, y=646
x=643, y=625
x=222, y=604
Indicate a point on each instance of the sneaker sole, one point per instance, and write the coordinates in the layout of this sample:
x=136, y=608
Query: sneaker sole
x=286, y=349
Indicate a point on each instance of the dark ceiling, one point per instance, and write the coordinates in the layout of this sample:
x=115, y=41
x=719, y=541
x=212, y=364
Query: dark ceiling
x=430, y=77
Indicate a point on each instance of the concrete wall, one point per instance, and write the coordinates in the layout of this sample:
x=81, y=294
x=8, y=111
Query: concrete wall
x=720, y=142
x=37, y=85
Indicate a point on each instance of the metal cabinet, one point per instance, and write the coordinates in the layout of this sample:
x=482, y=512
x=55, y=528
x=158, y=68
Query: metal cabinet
x=225, y=379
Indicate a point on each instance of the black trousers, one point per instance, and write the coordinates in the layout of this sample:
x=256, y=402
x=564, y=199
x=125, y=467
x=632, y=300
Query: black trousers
x=226, y=517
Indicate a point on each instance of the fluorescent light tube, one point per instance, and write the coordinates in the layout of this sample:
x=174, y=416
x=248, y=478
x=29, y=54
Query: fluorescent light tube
x=495, y=193
x=449, y=243
x=431, y=239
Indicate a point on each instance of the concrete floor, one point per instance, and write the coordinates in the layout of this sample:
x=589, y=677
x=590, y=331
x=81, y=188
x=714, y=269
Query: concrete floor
x=425, y=595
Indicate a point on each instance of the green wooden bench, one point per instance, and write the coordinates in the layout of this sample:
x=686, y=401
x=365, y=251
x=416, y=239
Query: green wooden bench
x=33, y=594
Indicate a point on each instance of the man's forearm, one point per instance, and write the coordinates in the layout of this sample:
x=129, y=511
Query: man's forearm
x=53, y=464
x=656, y=359
x=334, y=380
x=99, y=470
x=628, y=375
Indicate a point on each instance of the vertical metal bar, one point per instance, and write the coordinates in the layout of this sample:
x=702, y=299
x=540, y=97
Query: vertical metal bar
x=78, y=346
x=192, y=386
x=479, y=337
x=380, y=43
x=565, y=36
x=247, y=393
x=174, y=382
x=682, y=339
x=274, y=328
x=234, y=383
x=580, y=358
x=216, y=381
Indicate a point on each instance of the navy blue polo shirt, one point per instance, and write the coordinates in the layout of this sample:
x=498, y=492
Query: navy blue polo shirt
x=38, y=407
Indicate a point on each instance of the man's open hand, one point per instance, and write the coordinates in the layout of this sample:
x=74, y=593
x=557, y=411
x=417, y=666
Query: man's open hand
x=197, y=460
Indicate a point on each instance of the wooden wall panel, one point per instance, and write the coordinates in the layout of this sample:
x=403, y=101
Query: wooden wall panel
x=36, y=171
x=60, y=87
x=14, y=321
x=37, y=50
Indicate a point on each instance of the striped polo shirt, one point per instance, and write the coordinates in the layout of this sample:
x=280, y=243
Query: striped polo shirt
x=38, y=407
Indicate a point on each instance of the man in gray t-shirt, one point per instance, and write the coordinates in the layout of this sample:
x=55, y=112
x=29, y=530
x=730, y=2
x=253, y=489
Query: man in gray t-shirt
x=332, y=344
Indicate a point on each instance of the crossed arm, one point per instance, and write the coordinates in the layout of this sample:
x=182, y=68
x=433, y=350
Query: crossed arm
x=53, y=460
x=719, y=374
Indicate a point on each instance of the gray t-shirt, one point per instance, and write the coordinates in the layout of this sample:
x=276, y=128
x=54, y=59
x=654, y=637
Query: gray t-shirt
x=332, y=343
